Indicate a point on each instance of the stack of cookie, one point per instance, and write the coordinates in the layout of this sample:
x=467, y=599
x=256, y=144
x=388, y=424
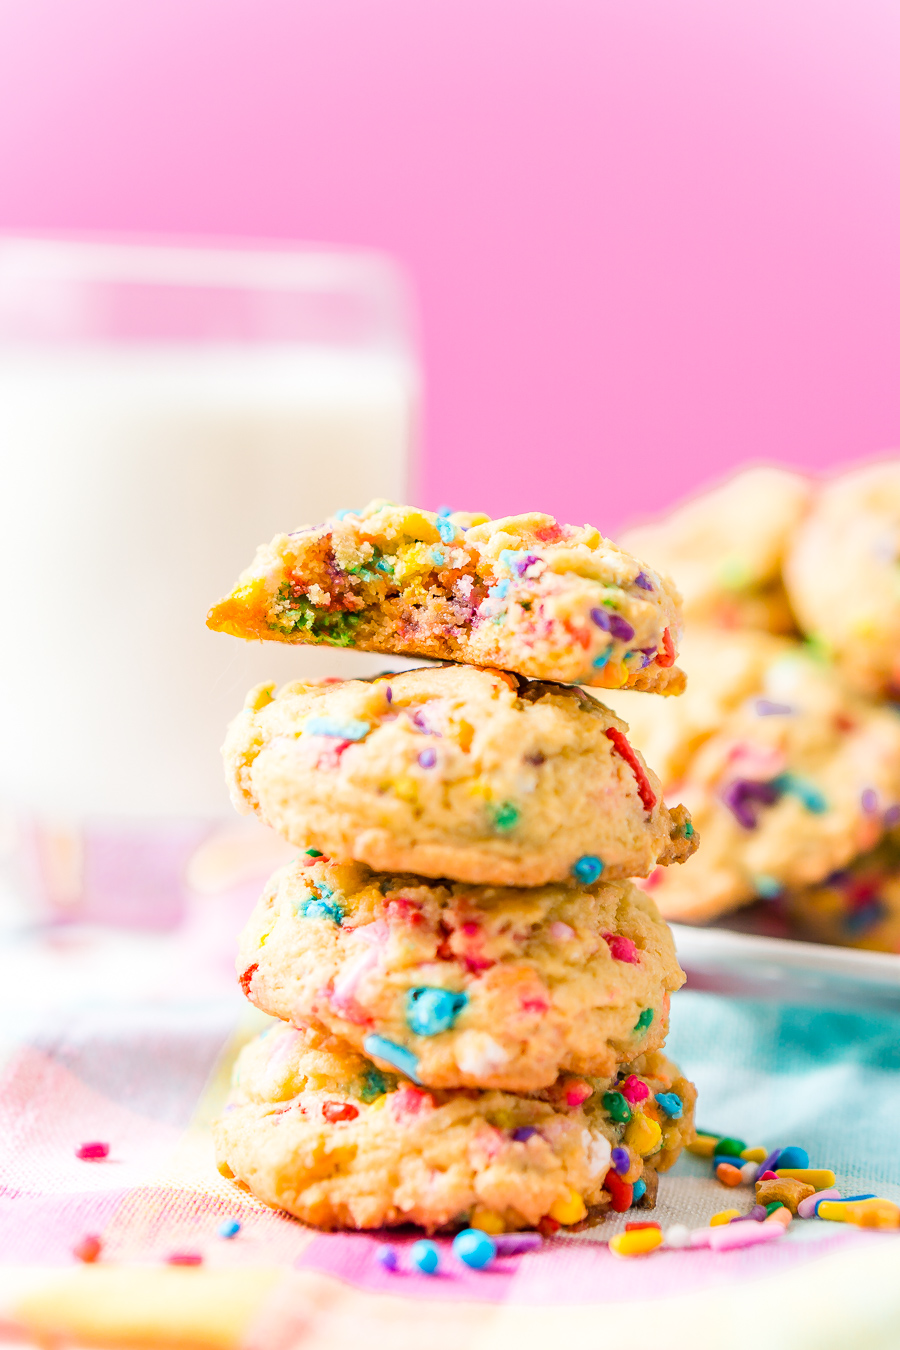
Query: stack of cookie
x=472, y=993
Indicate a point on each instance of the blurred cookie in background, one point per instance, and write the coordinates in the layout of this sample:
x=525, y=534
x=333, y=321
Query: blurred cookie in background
x=724, y=549
x=842, y=574
x=857, y=906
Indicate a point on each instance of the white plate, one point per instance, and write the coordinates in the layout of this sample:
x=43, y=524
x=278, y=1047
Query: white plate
x=780, y=968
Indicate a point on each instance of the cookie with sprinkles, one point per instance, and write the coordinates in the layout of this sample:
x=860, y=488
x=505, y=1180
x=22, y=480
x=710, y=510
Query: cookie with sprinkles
x=791, y=785
x=315, y=1129
x=477, y=775
x=857, y=905
x=843, y=575
x=463, y=986
x=523, y=593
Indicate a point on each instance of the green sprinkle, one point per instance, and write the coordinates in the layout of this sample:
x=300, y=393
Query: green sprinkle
x=314, y=853
x=776, y=1204
x=297, y=614
x=375, y=1084
x=688, y=830
x=644, y=1020
x=615, y=1106
x=506, y=816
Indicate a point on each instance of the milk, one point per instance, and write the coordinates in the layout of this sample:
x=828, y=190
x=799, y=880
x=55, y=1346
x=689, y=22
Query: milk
x=136, y=482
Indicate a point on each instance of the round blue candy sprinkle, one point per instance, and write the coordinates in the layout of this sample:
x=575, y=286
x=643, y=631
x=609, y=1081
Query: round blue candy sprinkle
x=228, y=1228
x=638, y=1190
x=621, y=1160
x=587, y=869
x=793, y=1156
x=430, y=1011
x=474, y=1248
x=671, y=1103
x=424, y=1256
x=386, y=1256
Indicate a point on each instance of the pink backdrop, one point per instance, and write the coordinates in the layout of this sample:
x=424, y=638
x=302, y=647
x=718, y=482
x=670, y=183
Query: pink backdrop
x=650, y=238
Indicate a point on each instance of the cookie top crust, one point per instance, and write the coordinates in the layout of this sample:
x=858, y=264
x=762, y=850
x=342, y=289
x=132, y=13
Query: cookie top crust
x=317, y=1130
x=475, y=775
x=523, y=593
x=842, y=575
x=463, y=986
x=725, y=548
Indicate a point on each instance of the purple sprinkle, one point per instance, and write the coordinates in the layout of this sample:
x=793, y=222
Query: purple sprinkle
x=389, y=694
x=892, y=816
x=620, y=628
x=766, y=708
x=511, y=1244
x=524, y=1133
x=620, y=1160
x=643, y=581
x=869, y=801
x=771, y=1162
x=758, y=1212
x=522, y=564
x=427, y=759
x=741, y=795
x=601, y=619
x=648, y=651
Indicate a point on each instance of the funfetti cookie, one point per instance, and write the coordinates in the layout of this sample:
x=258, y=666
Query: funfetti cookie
x=794, y=783
x=843, y=575
x=315, y=1129
x=856, y=906
x=454, y=772
x=526, y=594
x=464, y=986
x=725, y=547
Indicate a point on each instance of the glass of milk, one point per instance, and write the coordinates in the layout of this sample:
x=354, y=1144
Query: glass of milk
x=162, y=411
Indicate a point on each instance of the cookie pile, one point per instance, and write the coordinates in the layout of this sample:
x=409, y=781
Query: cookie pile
x=786, y=745
x=472, y=994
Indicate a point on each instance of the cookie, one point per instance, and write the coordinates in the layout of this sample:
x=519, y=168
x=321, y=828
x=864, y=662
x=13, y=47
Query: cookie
x=315, y=1129
x=725, y=547
x=549, y=601
x=795, y=781
x=843, y=575
x=857, y=906
x=453, y=772
x=462, y=986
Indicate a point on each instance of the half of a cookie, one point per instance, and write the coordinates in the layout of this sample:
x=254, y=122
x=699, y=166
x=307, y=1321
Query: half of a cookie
x=524, y=593
x=316, y=1130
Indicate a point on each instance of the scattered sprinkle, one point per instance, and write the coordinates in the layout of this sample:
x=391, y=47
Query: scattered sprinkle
x=638, y=1190
x=228, y=1228
x=92, y=1151
x=671, y=1103
x=184, y=1259
x=767, y=887
x=447, y=530
x=634, y=1090
x=474, y=1248
x=743, y=796
x=621, y=1160
x=524, y=1133
x=505, y=816
x=334, y=1112
x=351, y=730
x=313, y=853
x=427, y=759
x=806, y=792
x=88, y=1249
x=766, y=708
x=644, y=1020
x=386, y=1256
x=511, y=1244
x=616, y=1107
x=602, y=660
x=622, y=748
x=500, y=591
x=316, y=907
x=636, y=1241
x=424, y=1257
x=643, y=581
x=622, y=948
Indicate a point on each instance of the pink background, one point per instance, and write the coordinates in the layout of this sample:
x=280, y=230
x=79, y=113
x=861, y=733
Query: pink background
x=650, y=238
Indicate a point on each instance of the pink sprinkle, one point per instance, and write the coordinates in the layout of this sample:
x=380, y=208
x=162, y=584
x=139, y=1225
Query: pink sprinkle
x=410, y=1101
x=561, y=932
x=578, y=1093
x=622, y=948
x=88, y=1249
x=633, y=1090
x=769, y=1176
x=727, y=1237
x=95, y=1149
x=185, y=1259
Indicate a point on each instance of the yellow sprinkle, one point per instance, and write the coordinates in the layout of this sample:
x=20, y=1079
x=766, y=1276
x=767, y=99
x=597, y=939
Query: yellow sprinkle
x=642, y=1134
x=636, y=1243
x=873, y=1214
x=723, y=1216
x=820, y=1177
x=570, y=1210
x=379, y=1103
x=839, y=1210
x=406, y=789
x=487, y=1220
x=754, y=1155
x=704, y=1146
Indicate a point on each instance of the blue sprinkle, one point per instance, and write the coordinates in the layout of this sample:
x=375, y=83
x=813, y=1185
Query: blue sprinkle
x=601, y=619
x=474, y=1248
x=866, y=917
x=345, y=511
x=386, y=1256
x=446, y=529
x=424, y=1257
x=643, y=581
x=228, y=1228
x=793, y=1156
x=587, y=869
x=766, y=886
x=315, y=908
x=401, y=1058
x=430, y=1011
x=444, y=511
x=600, y=661
x=809, y=795
x=351, y=730
x=638, y=1190
x=671, y=1103
x=439, y=558
x=621, y=1160
x=524, y=1133
x=499, y=591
